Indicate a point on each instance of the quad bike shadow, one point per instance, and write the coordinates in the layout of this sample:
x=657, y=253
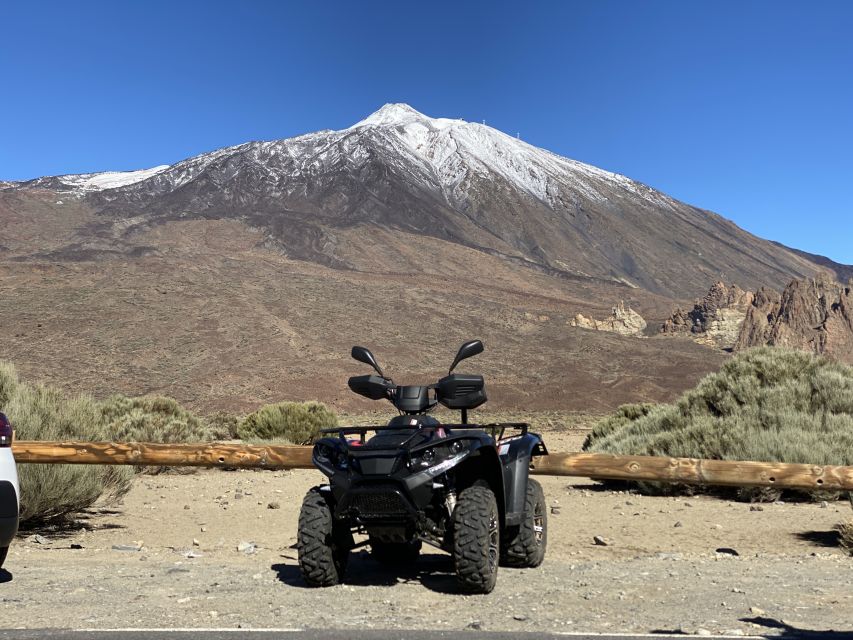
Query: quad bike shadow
x=435, y=571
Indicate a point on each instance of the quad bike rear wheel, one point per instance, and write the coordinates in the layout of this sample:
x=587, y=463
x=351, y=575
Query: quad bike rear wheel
x=395, y=552
x=476, y=539
x=524, y=546
x=323, y=549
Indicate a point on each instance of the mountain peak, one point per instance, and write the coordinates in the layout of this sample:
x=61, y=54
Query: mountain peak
x=399, y=113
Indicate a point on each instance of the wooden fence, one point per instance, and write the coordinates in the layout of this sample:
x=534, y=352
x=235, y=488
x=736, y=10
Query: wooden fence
x=587, y=465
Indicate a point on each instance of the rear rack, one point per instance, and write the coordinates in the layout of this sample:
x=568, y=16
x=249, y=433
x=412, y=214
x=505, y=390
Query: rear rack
x=496, y=429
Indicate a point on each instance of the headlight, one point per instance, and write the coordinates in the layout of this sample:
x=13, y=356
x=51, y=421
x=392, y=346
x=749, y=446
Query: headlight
x=438, y=459
x=330, y=456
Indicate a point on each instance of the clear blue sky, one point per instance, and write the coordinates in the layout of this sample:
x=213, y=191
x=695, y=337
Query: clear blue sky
x=745, y=108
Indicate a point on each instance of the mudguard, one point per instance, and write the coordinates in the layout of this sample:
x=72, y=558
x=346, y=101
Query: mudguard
x=515, y=453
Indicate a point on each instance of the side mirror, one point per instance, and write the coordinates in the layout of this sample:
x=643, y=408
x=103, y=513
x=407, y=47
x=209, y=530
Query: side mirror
x=362, y=354
x=470, y=348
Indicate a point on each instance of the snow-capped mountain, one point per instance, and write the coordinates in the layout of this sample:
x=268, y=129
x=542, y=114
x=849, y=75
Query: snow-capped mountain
x=457, y=181
x=444, y=150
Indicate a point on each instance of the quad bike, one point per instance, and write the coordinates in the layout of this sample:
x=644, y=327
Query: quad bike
x=463, y=488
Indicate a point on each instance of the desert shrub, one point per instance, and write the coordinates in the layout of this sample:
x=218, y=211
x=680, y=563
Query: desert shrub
x=767, y=404
x=52, y=492
x=152, y=419
x=223, y=426
x=294, y=422
x=845, y=531
x=625, y=414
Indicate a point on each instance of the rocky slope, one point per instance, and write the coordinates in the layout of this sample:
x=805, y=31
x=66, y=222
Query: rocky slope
x=813, y=314
x=245, y=275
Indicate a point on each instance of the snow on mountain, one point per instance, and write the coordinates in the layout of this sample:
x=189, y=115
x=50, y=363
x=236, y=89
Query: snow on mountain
x=450, y=148
x=109, y=179
x=446, y=151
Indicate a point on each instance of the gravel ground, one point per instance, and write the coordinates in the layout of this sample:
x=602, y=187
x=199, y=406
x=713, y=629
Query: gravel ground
x=168, y=557
x=690, y=593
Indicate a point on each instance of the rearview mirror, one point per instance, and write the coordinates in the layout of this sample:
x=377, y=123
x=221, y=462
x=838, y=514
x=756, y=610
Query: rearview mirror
x=470, y=348
x=362, y=354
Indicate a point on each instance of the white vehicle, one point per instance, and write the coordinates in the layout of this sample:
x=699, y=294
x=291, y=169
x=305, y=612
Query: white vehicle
x=9, y=492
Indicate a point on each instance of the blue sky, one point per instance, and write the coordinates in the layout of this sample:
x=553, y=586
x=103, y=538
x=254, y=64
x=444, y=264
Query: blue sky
x=745, y=108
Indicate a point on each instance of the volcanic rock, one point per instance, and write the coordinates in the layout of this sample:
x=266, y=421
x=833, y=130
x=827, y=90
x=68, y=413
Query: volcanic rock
x=812, y=314
x=716, y=319
x=622, y=320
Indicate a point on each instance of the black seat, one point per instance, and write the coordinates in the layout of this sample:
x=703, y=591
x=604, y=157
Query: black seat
x=400, y=429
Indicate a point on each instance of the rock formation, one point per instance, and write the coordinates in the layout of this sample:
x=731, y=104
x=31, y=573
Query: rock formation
x=716, y=319
x=814, y=315
x=623, y=320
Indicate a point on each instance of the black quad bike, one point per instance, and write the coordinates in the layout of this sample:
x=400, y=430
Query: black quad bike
x=463, y=488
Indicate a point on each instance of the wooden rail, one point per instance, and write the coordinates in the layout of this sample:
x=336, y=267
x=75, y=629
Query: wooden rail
x=734, y=473
x=212, y=454
x=586, y=465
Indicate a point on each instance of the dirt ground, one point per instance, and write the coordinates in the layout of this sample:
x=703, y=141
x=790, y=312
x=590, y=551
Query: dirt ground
x=168, y=557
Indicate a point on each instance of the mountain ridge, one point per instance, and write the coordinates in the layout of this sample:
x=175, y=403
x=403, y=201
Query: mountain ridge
x=461, y=182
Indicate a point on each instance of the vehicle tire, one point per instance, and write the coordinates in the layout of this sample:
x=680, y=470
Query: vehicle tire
x=524, y=546
x=323, y=552
x=395, y=552
x=476, y=539
x=3, y=552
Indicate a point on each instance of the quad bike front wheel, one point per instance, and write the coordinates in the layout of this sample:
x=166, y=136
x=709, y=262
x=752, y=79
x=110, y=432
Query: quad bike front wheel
x=476, y=539
x=524, y=546
x=323, y=550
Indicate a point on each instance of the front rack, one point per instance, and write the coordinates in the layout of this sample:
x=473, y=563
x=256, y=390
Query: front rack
x=496, y=429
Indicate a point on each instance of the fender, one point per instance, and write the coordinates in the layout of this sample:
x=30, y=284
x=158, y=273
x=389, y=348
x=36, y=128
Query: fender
x=515, y=454
x=483, y=465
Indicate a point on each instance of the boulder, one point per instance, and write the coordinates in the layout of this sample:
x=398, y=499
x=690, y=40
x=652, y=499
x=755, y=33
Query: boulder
x=622, y=320
x=716, y=319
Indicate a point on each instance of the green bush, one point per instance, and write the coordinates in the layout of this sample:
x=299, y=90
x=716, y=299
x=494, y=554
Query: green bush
x=293, y=422
x=51, y=492
x=767, y=404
